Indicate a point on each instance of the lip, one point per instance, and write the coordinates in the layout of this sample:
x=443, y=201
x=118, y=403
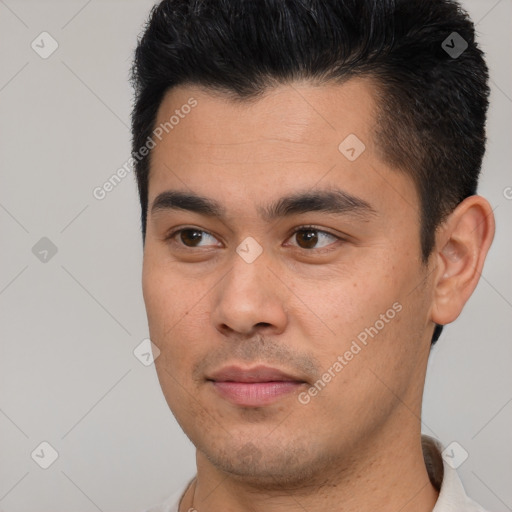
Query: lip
x=254, y=387
x=260, y=373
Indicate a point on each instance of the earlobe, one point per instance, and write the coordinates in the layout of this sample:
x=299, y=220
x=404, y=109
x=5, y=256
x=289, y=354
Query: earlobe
x=462, y=244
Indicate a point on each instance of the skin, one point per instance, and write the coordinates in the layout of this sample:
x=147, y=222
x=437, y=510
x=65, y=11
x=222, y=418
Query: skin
x=356, y=444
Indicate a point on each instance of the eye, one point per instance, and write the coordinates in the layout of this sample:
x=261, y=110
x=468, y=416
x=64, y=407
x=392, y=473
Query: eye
x=191, y=237
x=309, y=236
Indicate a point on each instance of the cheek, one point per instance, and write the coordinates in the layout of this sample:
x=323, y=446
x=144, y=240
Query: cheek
x=155, y=296
x=165, y=301
x=176, y=314
x=165, y=293
x=349, y=304
x=366, y=316
x=382, y=344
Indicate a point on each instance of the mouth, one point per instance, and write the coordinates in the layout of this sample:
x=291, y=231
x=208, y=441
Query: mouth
x=254, y=387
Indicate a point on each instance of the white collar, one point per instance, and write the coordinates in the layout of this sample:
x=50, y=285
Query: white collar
x=452, y=496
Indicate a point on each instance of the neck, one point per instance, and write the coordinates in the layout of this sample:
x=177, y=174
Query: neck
x=389, y=477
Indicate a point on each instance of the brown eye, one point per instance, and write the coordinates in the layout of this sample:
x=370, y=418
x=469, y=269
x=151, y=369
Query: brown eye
x=308, y=238
x=192, y=237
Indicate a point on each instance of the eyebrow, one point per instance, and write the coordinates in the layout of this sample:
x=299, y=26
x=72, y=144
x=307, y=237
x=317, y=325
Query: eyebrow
x=333, y=201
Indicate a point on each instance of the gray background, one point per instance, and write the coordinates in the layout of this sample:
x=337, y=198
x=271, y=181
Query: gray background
x=69, y=325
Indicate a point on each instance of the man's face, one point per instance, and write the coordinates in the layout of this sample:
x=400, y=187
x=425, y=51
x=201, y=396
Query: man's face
x=343, y=302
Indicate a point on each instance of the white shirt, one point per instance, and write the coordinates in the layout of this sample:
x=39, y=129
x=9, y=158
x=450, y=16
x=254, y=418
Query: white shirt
x=452, y=496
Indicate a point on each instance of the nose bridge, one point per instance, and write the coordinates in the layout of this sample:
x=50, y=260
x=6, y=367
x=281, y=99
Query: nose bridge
x=249, y=294
x=248, y=278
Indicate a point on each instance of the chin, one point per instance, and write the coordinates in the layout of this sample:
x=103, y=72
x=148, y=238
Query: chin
x=270, y=466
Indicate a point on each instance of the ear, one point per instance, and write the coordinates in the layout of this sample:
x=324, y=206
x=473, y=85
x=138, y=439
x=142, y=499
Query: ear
x=462, y=243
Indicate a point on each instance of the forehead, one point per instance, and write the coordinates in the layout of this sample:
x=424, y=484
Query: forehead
x=285, y=139
x=285, y=119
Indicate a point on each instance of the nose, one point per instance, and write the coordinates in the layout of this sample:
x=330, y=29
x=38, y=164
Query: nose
x=250, y=298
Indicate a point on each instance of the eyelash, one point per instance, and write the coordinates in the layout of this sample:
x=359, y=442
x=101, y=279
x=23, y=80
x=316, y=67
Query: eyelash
x=173, y=234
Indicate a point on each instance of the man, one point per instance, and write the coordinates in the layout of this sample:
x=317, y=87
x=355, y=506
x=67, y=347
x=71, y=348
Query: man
x=307, y=173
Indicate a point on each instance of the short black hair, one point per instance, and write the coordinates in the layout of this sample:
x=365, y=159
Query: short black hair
x=432, y=90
